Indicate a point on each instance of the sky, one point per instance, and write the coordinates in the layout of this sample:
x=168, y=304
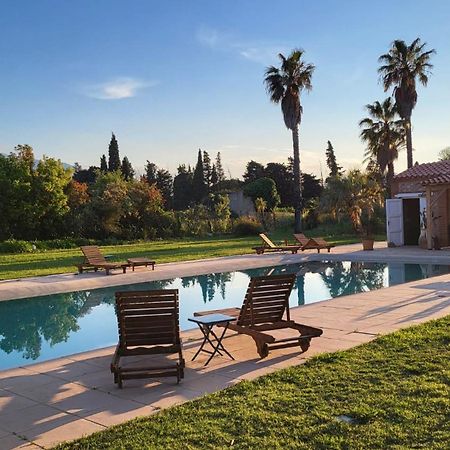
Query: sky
x=171, y=77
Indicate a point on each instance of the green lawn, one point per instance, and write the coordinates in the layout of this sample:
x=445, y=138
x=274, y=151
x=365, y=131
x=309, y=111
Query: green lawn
x=60, y=261
x=395, y=389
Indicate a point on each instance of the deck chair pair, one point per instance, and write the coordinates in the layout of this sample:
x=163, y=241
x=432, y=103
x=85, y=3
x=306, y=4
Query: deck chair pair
x=148, y=324
x=316, y=243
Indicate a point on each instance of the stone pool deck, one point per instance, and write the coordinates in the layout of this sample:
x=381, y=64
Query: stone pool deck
x=53, y=284
x=46, y=403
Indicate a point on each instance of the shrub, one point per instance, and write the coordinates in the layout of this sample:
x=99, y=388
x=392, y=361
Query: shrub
x=16, y=246
x=247, y=226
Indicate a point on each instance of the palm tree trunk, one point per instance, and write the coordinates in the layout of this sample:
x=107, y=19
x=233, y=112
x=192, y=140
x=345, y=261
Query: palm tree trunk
x=390, y=177
x=297, y=182
x=409, y=148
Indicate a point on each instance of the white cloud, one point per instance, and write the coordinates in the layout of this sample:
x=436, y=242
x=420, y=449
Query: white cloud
x=118, y=88
x=260, y=52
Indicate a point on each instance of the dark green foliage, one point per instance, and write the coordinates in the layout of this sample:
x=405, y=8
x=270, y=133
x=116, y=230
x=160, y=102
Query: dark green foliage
x=311, y=186
x=263, y=188
x=219, y=168
x=182, y=188
x=151, y=170
x=214, y=178
x=103, y=164
x=16, y=246
x=164, y=182
x=85, y=175
x=334, y=168
x=127, y=169
x=113, y=153
x=284, y=181
x=253, y=171
x=207, y=169
x=199, y=187
x=247, y=226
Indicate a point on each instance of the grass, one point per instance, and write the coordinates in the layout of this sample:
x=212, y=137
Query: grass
x=63, y=261
x=395, y=389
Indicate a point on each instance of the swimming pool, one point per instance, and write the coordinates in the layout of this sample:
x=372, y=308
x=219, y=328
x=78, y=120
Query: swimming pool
x=47, y=327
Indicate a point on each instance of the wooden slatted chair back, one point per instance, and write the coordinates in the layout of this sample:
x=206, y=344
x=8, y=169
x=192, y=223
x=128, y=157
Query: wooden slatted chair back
x=148, y=318
x=266, y=300
x=93, y=255
x=267, y=241
x=301, y=238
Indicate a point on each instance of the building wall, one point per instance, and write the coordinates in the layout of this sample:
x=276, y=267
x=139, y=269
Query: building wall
x=405, y=186
x=240, y=204
x=441, y=219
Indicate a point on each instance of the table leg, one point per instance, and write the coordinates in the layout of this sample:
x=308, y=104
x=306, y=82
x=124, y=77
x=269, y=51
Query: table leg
x=219, y=344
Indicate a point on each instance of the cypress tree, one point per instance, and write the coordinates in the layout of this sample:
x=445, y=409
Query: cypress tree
x=151, y=171
x=182, y=188
x=113, y=153
x=207, y=169
x=219, y=168
x=127, y=169
x=214, y=178
x=335, y=170
x=199, y=188
x=164, y=183
x=103, y=164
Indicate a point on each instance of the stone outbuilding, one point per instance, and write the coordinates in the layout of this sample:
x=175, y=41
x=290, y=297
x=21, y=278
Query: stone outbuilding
x=420, y=203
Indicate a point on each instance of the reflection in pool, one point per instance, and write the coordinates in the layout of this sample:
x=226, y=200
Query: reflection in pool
x=47, y=327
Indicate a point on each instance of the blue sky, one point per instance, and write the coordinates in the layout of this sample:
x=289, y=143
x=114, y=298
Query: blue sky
x=171, y=77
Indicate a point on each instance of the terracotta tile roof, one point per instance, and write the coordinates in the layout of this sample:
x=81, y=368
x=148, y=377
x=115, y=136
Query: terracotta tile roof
x=429, y=173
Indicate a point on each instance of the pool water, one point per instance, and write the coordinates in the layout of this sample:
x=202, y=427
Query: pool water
x=47, y=327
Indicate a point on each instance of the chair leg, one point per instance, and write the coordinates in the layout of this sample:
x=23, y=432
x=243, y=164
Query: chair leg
x=304, y=344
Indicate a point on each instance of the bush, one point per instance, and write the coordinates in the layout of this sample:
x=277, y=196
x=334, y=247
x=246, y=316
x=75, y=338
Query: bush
x=15, y=246
x=247, y=226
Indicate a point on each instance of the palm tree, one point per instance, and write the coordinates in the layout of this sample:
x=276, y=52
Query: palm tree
x=401, y=66
x=284, y=85
x=384, y=135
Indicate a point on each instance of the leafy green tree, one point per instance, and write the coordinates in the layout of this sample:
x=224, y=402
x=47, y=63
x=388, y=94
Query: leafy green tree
x=127, y=169
x=264, y=188
x=401, y=67
x=284, y=85
x=114, y=157
x=164, y=182
x=182, y=188
x=50, y=181
x=199, y=187
x=312, y=188
x=151, y=170
x=444, y=154
x=283, y=178
x=103, y=164
x=253, y=171
x=335, y=169
x=219, y=168
x=384, y=136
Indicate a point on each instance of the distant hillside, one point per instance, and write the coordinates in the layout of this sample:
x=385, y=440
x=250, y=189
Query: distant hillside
x=36, y=162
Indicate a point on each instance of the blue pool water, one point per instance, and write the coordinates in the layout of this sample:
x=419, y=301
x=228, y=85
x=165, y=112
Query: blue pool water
x=42, y=328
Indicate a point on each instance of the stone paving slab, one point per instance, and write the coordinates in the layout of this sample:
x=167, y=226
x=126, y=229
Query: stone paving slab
x=53, y=284
x=46, y=403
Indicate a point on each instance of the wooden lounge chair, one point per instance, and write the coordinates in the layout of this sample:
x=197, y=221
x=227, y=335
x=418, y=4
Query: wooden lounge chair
x=94, y=260
x=316, y=243
x=265, y=305
x=269, y=246
x=148, y=325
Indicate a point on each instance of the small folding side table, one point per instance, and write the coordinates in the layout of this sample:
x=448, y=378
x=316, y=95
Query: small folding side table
x=206, y=324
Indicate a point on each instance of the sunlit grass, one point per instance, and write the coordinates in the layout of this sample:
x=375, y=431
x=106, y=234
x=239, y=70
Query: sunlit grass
x=395, y=392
